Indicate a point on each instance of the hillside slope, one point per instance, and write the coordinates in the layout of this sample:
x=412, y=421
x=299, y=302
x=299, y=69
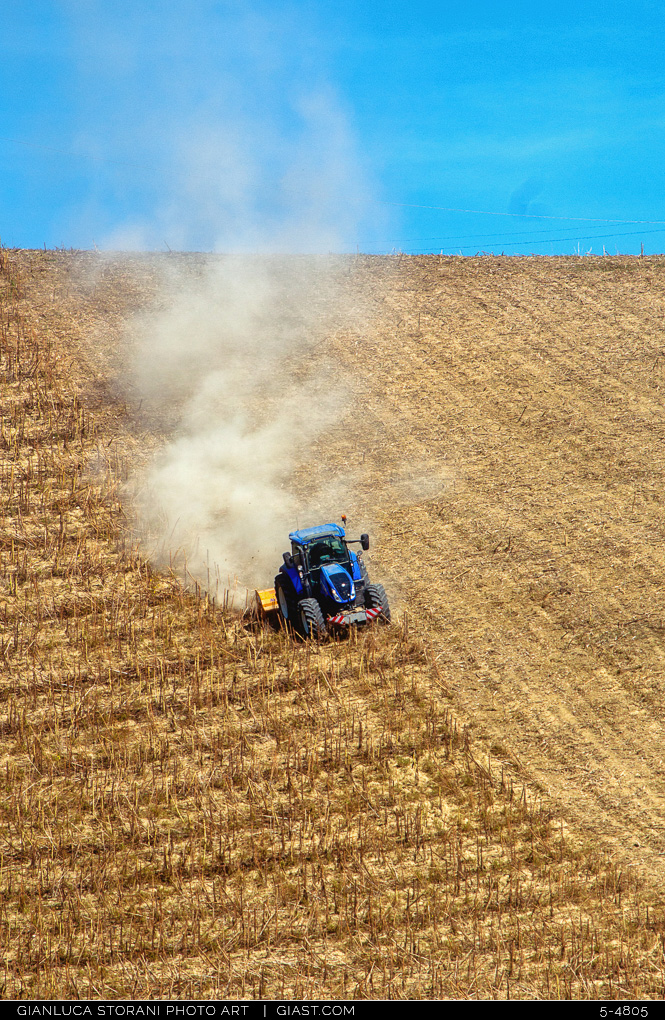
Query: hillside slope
x=469, y=804
x=536, y=384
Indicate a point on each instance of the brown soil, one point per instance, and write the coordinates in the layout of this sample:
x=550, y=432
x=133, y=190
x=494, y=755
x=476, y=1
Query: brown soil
x=536, y=383
x=470, y=804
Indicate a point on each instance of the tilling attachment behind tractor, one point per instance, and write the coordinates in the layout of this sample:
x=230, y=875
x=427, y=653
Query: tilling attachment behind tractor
x=323, y=585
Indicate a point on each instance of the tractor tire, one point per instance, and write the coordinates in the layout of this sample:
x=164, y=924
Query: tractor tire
x=288, y=604
x=312, y=623
x=376, y=598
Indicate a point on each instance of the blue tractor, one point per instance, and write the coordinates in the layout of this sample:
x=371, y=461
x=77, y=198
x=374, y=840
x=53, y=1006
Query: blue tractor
x=323, y=584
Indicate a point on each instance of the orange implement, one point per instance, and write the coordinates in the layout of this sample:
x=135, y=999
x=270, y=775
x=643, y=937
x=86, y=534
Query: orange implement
x=266, y=600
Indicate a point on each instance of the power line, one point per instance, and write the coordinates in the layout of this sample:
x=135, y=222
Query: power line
x=457, y=237
x=405, y=205
x=554, y=240
x=530, y=216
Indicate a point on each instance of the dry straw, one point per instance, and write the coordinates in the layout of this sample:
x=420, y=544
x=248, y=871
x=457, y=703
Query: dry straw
x=191, y=807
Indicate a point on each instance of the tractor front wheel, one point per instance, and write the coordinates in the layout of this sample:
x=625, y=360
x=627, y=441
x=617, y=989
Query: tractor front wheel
x=312, y=623
x=376, y=598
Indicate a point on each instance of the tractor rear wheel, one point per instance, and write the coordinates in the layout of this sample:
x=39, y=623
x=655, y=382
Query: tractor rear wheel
x=376, y=598
x=312, y=623
x=288, y=606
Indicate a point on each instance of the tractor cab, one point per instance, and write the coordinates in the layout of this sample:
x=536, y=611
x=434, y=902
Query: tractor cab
x=327, y=550
x=324, y=562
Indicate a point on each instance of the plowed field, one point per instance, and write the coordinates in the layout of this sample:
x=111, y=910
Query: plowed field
x=468, y=804
x=538, y=384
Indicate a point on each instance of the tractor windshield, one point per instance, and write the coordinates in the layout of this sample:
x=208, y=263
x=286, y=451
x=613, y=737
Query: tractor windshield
x=327, y=550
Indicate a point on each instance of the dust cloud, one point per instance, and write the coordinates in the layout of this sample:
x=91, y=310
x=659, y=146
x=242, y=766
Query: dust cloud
x=233, y=368
x=230, y=365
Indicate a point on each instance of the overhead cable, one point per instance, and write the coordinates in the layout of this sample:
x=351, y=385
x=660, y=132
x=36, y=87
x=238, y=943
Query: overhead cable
x=530, y=216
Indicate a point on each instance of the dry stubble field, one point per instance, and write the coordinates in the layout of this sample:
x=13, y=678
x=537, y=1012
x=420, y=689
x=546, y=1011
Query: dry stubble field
x=468, y=804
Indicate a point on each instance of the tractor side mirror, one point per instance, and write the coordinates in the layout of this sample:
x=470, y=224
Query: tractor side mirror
x=288, y=560
x=364, y=541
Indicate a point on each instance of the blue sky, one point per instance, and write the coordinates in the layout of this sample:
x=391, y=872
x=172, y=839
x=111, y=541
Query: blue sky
x=333, y=125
